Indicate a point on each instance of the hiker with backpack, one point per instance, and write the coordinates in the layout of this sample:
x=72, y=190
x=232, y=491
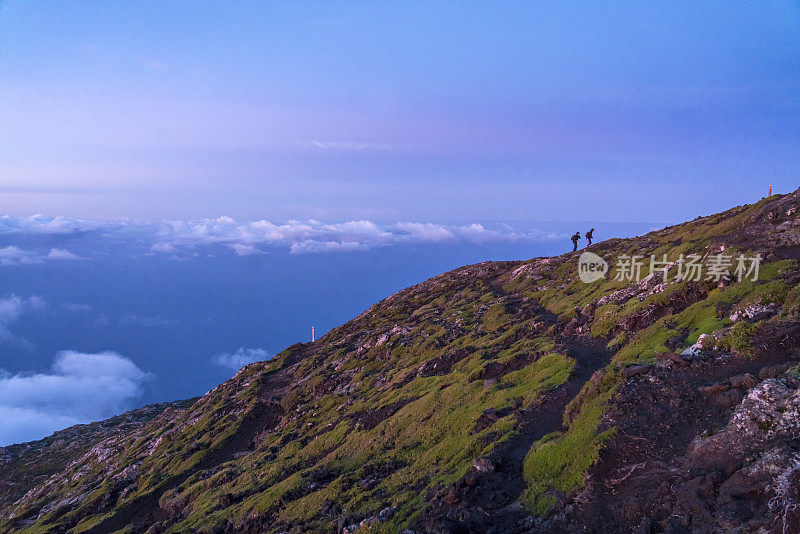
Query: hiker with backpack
x=575, y=240
x=589, y=236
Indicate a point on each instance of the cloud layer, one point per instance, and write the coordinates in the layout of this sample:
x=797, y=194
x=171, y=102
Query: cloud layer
x=42, y=224
x=79, y=388
x=303, y=237
x=179, y=238
x=13, y=255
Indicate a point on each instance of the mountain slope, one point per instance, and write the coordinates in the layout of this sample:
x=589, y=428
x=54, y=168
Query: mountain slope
x=505, y=396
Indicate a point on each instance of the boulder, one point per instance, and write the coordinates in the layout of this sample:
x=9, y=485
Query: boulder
x=705, y=343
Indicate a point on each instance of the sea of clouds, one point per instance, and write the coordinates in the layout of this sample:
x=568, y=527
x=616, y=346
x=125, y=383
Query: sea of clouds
x=183, y=238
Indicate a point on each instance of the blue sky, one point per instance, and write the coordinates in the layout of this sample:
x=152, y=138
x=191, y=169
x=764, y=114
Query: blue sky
x=445, y=112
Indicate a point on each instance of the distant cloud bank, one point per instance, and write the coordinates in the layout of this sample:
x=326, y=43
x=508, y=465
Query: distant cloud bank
x=181, y=238
x=311, y=236
x=13, y=255
x=79, y=388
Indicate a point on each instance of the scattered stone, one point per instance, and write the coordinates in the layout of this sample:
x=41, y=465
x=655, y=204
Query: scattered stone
x=387, y=513
x=705, y=343
x=483, y=465
x=768, y=410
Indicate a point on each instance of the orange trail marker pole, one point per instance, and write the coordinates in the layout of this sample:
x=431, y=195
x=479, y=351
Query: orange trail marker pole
x=313, y=337
x=770, y=189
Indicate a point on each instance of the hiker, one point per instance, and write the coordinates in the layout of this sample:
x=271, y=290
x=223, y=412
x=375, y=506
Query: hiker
x=589, y=236
x=575, y=240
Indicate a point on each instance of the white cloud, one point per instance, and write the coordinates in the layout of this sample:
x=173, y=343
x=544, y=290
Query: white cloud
x=477, y=233
x=42, y=224
x=425, y=232
x=13, y=255
x=164, y=248
x=246, y=250
x=11, y=308
x=366, y=232
x=315, y=247
x=62, y=254
x=240, y=358
x=79, y=388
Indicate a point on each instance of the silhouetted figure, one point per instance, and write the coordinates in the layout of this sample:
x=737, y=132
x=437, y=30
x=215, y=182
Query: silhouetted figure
x=589, y=236
x=575, y=240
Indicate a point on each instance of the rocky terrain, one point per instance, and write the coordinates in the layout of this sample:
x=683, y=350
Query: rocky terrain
x=499, y=397
x=29, y=464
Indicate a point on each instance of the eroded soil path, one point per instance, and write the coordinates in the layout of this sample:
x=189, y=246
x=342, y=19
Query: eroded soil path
x=487, y=502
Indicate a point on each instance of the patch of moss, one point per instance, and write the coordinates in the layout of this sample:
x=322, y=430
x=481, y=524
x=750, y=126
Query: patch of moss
x=740, y=339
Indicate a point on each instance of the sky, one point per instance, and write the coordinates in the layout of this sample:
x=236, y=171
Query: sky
x=446, y=112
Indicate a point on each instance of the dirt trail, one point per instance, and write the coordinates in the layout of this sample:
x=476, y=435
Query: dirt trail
x=590, y=355
x=488, y=502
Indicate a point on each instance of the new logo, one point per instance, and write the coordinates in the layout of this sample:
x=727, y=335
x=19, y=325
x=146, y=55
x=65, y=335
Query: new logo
x=591, y=267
